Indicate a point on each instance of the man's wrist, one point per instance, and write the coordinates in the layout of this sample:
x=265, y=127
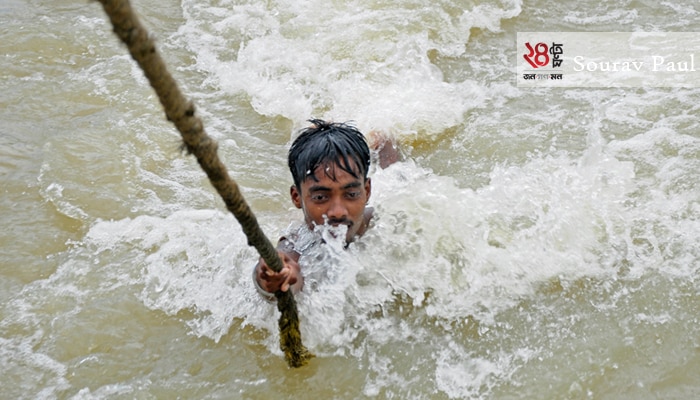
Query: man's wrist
x=264, y=293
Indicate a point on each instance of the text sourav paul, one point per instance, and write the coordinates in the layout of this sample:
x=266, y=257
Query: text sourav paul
x=657, y=63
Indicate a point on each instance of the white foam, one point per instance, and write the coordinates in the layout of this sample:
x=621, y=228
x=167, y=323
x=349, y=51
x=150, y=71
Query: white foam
x=302, y=60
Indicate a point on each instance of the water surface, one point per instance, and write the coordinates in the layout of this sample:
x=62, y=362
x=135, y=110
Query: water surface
x=535, y=243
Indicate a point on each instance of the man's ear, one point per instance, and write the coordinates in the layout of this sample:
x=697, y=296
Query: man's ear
x=368, y=187
x=296, y=196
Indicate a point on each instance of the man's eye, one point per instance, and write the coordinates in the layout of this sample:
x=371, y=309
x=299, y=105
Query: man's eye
x=318, y=197
x=353, y=195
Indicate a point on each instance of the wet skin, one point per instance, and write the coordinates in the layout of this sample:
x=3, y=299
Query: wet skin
x=334, y=197
x=336, y=201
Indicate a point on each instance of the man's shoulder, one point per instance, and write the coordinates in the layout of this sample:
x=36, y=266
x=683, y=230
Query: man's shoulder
x=369, y=213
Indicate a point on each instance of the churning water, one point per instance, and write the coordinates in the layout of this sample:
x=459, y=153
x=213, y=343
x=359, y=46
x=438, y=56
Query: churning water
x=535, y=243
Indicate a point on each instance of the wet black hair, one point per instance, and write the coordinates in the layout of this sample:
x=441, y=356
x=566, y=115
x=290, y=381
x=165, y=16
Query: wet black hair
x=328, y=143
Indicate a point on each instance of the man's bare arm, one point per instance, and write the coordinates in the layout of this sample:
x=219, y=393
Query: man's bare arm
x=385, y=146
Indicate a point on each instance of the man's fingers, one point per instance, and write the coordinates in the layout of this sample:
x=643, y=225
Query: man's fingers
x=268, y=272
x=270, y=275
x=288, y=282
x=273, y=281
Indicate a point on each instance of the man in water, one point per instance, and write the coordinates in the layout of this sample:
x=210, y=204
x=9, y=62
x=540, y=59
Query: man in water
x=329, y=163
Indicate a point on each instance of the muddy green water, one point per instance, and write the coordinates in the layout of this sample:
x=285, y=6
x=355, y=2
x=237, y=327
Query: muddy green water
x=535, y=244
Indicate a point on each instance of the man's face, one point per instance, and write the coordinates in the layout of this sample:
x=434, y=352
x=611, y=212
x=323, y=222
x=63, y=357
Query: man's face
x=339, y=201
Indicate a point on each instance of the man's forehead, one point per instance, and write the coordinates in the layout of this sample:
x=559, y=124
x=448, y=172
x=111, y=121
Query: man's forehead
x=332, y=169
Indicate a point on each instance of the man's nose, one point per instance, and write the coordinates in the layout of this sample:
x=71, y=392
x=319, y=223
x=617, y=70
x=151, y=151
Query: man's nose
x=337, y=210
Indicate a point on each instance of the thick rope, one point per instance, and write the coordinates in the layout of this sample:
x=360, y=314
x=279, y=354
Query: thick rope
x=182, y=113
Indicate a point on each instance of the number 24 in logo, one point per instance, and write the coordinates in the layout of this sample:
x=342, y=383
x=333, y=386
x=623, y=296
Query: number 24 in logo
x=537, y=56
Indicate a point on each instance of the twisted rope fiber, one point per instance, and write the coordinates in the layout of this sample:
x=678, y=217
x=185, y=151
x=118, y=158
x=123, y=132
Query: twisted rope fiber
x=181, y=112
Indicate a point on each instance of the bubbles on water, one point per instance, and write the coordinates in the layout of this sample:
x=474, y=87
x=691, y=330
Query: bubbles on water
x=461, y=377
x=25, y=366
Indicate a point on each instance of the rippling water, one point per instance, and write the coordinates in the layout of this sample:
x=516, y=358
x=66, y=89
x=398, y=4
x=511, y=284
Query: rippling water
x=535, y=244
